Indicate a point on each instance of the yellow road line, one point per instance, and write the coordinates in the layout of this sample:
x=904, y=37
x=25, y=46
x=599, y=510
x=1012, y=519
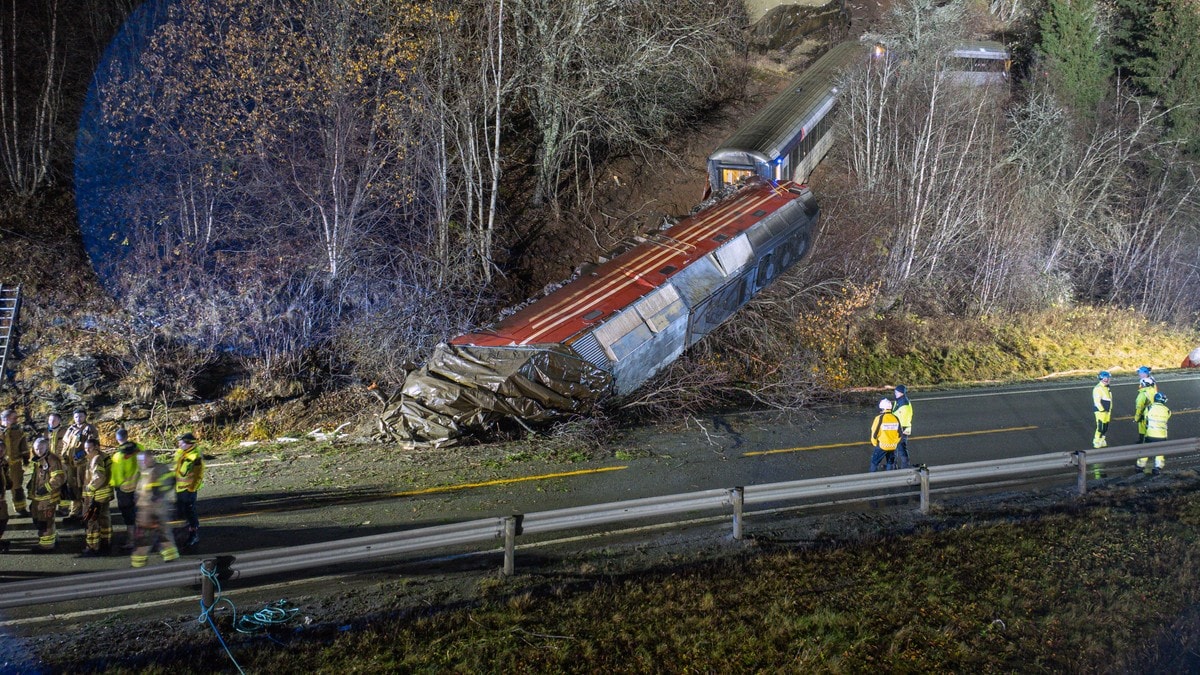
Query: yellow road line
x=1187, y=411
x=505, y=481
x=434, y=490
x=915, y=438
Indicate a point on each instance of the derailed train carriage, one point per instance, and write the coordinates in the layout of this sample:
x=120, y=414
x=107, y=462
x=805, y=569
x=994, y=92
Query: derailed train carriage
x=612, y=328
x=790, y=135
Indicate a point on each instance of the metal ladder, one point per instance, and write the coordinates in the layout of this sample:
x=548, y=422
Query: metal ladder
x=10, y=304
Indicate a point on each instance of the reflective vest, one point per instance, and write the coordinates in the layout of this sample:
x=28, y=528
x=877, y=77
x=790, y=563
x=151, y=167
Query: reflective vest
x=124, y=473
x=903, y=412
x=189, y=469
x=1145, y=397
x=1156, y=420
x=885, y=431
x=1101, y=398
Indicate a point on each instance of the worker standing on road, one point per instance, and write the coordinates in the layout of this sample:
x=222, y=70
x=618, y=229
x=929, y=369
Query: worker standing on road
x=17, y=454
x=1102, y=409
x=189, y=476
x=1148, y=387
x=1157, y=415
x=75, y=463
x=97, y=493
x=155, y=484
x=55, y=432
x=885, y=436
x=903, y=412
x=124, y=481
x=44, y=491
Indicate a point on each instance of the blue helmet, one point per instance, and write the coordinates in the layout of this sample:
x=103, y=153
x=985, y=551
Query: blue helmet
x=1160, y=398
x=1143, y=371
x=1105, y=375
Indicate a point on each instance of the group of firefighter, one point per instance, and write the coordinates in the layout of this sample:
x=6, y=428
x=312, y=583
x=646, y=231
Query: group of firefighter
x=892, y=426
x=66, y=474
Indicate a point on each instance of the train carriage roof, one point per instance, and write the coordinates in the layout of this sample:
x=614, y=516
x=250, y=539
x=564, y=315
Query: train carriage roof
x=594, y=297
x=980, y=49
x=778, y=124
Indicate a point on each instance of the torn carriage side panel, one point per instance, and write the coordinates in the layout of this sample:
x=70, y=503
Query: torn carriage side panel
x=611, y=329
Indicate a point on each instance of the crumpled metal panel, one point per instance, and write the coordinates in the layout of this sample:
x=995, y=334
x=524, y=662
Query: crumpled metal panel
x=465, y=389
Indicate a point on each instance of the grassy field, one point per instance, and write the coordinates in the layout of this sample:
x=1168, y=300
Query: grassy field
x=1102, y=584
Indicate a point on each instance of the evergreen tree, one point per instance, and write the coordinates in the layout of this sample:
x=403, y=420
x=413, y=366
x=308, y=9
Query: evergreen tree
x=1132, y=24
x=1077, y=61
x=1169, y=67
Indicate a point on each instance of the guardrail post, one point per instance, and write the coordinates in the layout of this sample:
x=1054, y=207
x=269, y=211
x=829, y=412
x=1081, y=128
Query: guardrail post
x=512, y=527
x=737, y=498
x=208, y=591
x=1081, y=460
x=923, y=472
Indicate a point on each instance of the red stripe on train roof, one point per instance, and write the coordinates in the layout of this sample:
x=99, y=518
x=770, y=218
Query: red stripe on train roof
x=623, y=280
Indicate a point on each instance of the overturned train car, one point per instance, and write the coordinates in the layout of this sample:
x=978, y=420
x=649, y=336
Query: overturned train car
x=612, y=328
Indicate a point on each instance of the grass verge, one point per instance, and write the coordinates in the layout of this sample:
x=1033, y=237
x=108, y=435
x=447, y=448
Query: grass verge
x=1091, y=585
x=886, y=349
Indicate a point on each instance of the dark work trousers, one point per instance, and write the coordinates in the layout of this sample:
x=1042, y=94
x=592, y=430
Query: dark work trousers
x=902, y=452
x=185, y=506
x=127, y=505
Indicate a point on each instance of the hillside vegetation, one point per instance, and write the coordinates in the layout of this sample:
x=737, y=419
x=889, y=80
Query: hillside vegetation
x=276, y=243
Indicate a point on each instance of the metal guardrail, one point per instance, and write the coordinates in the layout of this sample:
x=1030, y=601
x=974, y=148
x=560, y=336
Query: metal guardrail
x=278, y=560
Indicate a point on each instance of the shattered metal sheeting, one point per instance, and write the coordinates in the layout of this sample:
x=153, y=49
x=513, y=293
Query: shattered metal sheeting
x=468, y=389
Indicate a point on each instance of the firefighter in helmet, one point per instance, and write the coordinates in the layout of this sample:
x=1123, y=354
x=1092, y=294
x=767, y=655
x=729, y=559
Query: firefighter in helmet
x=1102, y=409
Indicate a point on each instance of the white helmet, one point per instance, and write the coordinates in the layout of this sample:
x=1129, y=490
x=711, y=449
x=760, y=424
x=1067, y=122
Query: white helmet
x=885, y=404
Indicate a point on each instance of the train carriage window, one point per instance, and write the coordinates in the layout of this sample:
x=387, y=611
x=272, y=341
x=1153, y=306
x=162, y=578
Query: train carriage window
x=660, y=308
x=735, y=254
x=735, y=176
x=622, y=334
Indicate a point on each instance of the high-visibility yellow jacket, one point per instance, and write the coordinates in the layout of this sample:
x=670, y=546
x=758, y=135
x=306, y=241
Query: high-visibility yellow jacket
x=189, y=469
x=1101, y=398
x=904, y=412
x=1145, y=397
x=885, y=431
x=124, y=476
x=1156, y=420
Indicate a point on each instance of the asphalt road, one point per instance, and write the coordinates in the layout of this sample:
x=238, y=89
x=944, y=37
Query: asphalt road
x=719, y=451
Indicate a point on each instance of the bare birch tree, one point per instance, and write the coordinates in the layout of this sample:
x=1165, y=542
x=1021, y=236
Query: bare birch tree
x=31, y=73
x=615, y=75
x=469, y=88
